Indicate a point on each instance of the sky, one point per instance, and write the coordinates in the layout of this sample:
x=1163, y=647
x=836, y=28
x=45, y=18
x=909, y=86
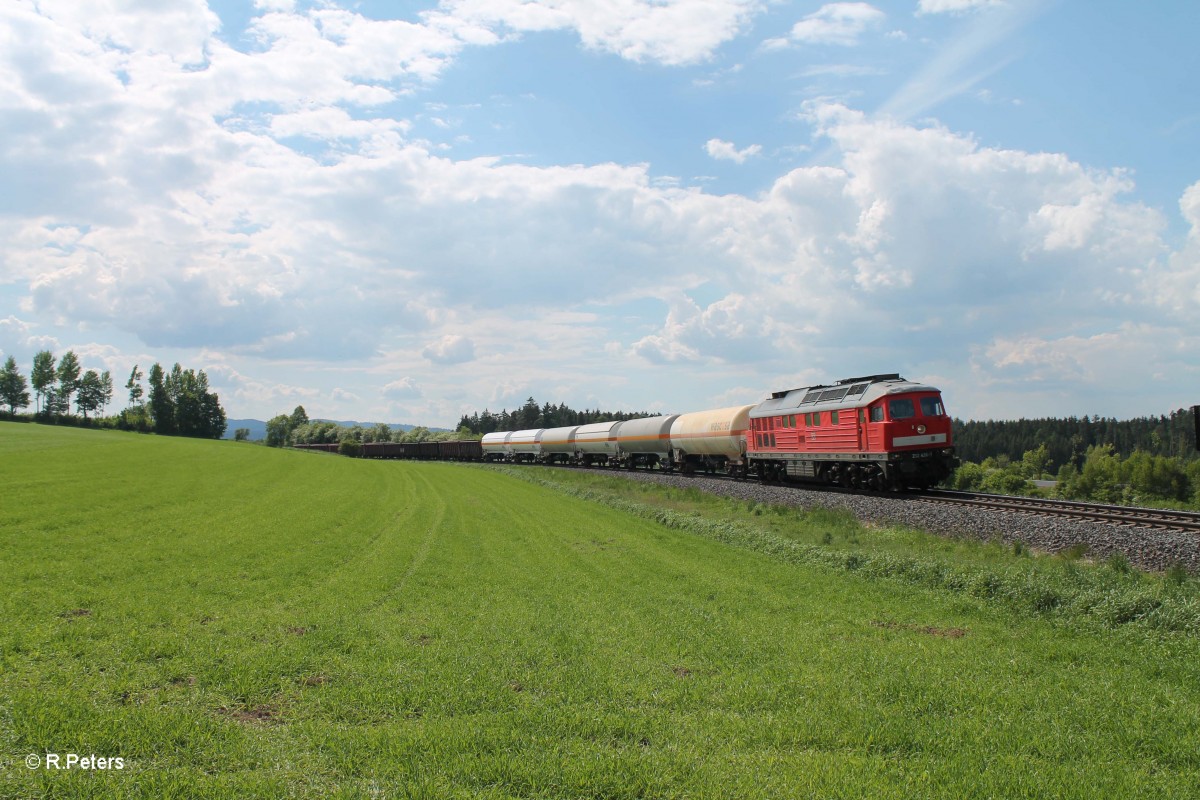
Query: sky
x=408, y=211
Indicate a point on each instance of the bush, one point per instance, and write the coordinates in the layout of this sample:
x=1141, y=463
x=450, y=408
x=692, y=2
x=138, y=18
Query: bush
x=350, y=448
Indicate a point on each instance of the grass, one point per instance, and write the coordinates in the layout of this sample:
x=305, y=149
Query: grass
x=1065, y=585
x=237, y=621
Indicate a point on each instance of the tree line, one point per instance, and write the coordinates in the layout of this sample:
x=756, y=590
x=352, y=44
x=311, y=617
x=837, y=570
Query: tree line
x=179, y=402
x=1103, y=475
x=284, y=430
x=1068, y=440
x=535, y=415
x=55, y=382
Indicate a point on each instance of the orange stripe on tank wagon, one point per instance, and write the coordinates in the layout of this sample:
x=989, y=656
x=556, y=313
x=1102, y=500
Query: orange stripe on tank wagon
x=709, y=434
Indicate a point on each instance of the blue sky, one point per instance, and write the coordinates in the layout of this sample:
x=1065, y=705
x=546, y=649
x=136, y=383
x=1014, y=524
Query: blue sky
x=408, y=211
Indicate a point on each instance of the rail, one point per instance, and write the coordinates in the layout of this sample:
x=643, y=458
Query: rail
x=1093, y=512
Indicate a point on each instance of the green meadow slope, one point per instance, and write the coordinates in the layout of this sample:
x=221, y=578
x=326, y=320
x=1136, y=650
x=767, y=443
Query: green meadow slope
x=234, y=621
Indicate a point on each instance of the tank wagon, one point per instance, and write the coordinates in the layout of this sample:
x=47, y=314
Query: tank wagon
x=711, y=441
x=872, y=432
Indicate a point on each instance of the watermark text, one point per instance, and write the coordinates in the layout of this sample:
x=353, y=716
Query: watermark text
x=73, y=761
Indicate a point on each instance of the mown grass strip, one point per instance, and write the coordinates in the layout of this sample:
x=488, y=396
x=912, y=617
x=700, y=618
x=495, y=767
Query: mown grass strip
x=1109, y=595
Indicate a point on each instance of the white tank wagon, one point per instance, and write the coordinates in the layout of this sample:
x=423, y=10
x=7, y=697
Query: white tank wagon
x=644, y=442
x=595, y=443
x=558, y=444
x=495, y=446
x=525, y=445
x=711, y=440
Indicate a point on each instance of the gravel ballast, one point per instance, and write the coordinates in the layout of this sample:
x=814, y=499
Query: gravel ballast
x=1147, y=548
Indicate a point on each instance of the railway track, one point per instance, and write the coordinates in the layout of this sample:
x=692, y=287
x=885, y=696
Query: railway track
x=1091, y=512
x=1096, y=512
x=1124, y=516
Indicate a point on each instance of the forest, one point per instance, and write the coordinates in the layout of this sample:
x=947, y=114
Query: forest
x=1067, y=440
x=1149, y=461
x=535, y=415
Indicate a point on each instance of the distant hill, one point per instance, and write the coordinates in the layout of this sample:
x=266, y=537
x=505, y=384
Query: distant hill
x=258, y=427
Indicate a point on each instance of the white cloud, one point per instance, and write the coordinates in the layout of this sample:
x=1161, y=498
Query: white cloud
x=941, y=244
x=837, y=23
x=681, y=32
x=403, y=389
x=727, y=151
x=284, y=6
x=1176, y=287
x=954, y=6
x=450, y=349
x=731, y=329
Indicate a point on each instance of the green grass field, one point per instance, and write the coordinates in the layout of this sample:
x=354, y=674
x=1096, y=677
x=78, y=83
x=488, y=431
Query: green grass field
x=234, y=621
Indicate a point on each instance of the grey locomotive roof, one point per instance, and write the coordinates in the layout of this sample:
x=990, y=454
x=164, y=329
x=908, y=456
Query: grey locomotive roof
x=848, y=393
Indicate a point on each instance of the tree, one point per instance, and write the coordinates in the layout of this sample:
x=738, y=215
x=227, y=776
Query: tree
x=241, y=435
x=13, y=388
x=417, y=434
x=68, y=377
x=134, y=387
x=89, y=394
x=56, y=403
x=214, y=421
x=299, y=417
x=106, y=389
x=194, y=411
x=162, y=409
x=43, y=376
x=279, y=428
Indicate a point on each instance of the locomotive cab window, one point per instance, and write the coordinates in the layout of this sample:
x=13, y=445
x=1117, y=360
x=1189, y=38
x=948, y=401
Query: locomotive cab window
x=932, y=407
x=876, y=413
x=833, y=418
x=901, y=408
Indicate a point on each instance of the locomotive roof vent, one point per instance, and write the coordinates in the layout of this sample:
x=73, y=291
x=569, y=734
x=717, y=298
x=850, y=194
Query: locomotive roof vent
x=817, y=394
x=891, y=376
x=786, y=392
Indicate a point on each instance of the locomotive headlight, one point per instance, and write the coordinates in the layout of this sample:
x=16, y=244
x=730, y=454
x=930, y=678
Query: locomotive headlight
x=920, y=429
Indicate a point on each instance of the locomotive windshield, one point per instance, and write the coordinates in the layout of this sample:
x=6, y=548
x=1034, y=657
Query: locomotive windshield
x=932, y=407
x=901, y=408
x=904, y=407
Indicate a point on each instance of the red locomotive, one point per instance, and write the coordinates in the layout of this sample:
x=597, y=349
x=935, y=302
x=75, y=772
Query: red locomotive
x=877, y=432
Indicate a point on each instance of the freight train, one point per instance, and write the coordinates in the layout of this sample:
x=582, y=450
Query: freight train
x=872, y=432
